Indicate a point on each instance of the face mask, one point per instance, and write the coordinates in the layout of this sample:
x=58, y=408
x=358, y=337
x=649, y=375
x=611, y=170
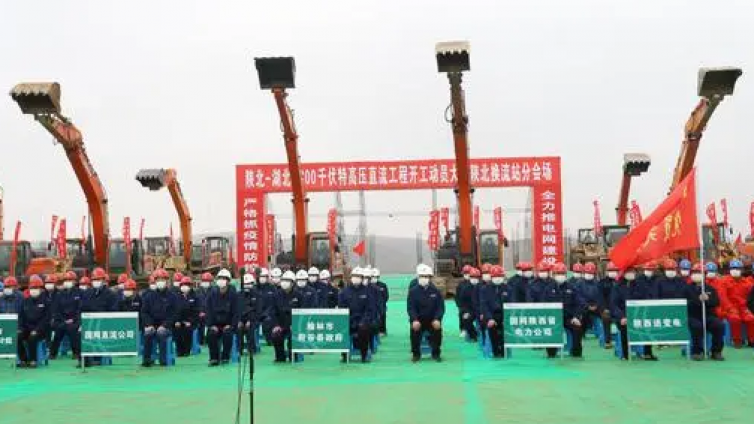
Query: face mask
x=128, y=293
x=685, y=273
x=96, y=284
x=697, y=278
x=205, y=284
x=486, y=278
x=356, y=281
x=649, y=274
x=519, y=273
x=528, y=274
x=366, y=281
x=735, y=273
x=35, y=292
x=49, y=287
x=222, y=284
x=121, y=286
x=576, y=275
x=285, y=285
x=161, y=285
x=7, y=292
x=185, y=289
x=83, y=287
x=612, y=274
x=312, y=279
x=671, y=274
x=589, y=277
x=543, y=275
x=423, y=281
x=275, y=281
x=711, y=274
x=262, y=280
x=466, y=277
x=301, y=283
x=153, y=287
x=498, y=280
x=474, y=281
x=560, y=279
x=68, y=284
x=630, y=276
x=176, y=283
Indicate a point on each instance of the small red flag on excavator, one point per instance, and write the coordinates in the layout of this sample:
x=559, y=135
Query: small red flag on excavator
x=360, y=248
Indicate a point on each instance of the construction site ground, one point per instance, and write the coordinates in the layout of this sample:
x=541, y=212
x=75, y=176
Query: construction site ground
x=465, y=388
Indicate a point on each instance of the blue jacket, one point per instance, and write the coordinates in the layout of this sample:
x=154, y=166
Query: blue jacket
x=475, y=297
x=222, y=308
x=308, y=297
x=67, y=305
x=187, y=308
x=492, y=298
x=465, y=298
x=536, y=289
x=159, y=308
x=99, y=300
x=201, y=296
x=320, y=289
x=569, y=296
x=35, y=314
x=624, y=291
x=384, y=293
x=360, y=304
x=520, y=285
x=607, y=284
x=694, y=305
x=649, y=284
x=249, y=308
x=593, y=294
x=331, y=297
x=671, y=288
x=267, y=293
x=11, y=304
x=425, y=303
x=279, y=313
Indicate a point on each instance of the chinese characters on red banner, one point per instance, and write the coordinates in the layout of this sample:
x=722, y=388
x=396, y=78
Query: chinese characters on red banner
x=52, y=227
x=127, y=242
x=724, y=209
x=542, y=174
x=270, y=231
x=498, y=216
x=597, y=219
x=332, y=222
x=434, y=231
x=62, y=251
x=712, y=215
x=635, y=214
x=445, y=218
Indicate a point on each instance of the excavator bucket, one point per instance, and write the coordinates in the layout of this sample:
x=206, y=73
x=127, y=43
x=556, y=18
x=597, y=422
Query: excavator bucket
x=153, y=179
x=453, y=56
x=717, y=81
x=276, y=72
x=635, y=163
x=37, y=98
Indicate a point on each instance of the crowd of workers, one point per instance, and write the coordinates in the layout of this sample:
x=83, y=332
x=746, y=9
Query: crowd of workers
x=50, y=309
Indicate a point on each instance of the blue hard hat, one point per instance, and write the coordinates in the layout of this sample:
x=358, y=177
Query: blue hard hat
x=736, y=264
x=1, y=285
x=685, y=264
x=711, y=267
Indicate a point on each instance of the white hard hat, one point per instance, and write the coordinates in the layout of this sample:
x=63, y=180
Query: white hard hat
x=302, y=275
x=375, y=272
x=264, y=272
x=288, y=275
x=424, y=270
x=276, y=272
x=224, y=273
x=313, y=271
x=419, y=269
x=248, y=278
x=358, y=272
x=324, y=275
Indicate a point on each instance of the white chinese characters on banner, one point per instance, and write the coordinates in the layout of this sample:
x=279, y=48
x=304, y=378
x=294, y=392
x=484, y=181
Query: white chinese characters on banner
x=252, y=238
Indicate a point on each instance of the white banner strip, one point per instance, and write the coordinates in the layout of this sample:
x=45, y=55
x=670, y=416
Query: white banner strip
x=657, y=302
x=95, y=315
x=658, y=342
x=319, y=351
x=319, y=311
x=8, y=356
x=533, y=345
x=8, y=317
x=88, y=355
x=533, y=306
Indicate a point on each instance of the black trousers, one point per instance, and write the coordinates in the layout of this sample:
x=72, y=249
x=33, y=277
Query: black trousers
x=383, y=320
x=624, y=342
x=66, y=330
x=213, y=340
x=467, y=324
x=279, y=340
x=27, y=345
x=714, y=327
x=202, y=330
x=247, y=337
x=162, y=340
x=373, y=329
x=576, y=337
x=591, y=316
x=497, y=338
x=362, y=338
x=183, y=338
x=435, y=338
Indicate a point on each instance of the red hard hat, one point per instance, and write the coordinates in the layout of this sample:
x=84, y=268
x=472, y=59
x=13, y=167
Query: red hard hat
x=590, y=268
x=85, y=281
x=99, y=274
x=160, y=274
x=185, y=280
x=497, y=271
x=11, y=282
x=70, y=276
x=520, y=265
x=122, y=278
x=559, y=268
x=651, y=265
x=697, y=267
x=612, y=267
x=526, y=266
x=130, y=284
x=670, y=264
x=178, y=277
x=544, y=266
x=486, y=268
x=577, y=267
x=151, y=279
x=466, y=269
x=51, y=278
x=474, y=273
x=206, y=276
x=35, y=282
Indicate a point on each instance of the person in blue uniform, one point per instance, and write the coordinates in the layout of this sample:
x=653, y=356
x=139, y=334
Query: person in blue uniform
x=96, y=297
x=426, y=308
x=708, y=299
x=278, y=317
x=462, y=285
x=266, y=290
x=10, y=302
x=466, y=306
x=607, y=283
x=520, y=283
x=66, y=317
x=158, y=317
x=384, y=297
x=562, y=291
x=131, y=300
x=33, y=323
x=248, y=322
x=648, y=279
x=670, y=285
x=628, y=288
x=492, y=298
x=202, y=293
x=186, y=317
x=222, y=319
x=307, y=294
x=332, y=291
x=319, y=288
x=591, y=292
x=361, y=305
x=538, y=285
x=577, y=275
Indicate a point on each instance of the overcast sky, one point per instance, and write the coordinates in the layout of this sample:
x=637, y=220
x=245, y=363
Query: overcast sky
x=172, y=84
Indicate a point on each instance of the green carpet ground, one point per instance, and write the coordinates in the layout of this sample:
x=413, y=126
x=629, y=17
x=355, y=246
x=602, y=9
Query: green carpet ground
x=465, y=388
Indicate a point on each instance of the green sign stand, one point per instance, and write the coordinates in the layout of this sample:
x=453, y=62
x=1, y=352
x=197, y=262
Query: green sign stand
x=9, y=337
x=533, y=325
x=109, y=334
x=320, y=331
x=657, y=322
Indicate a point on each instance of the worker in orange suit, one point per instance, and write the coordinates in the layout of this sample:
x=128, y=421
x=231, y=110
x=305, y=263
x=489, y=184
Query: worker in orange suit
x=739, y=315
x=714, y=280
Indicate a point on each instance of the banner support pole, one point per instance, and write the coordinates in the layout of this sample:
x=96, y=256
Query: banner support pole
x=701, y=261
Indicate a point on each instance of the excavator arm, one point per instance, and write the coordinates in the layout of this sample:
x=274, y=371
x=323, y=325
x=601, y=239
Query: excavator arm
x=278, y=74
x=155, y=179
x=634, y=164
x=43, y=101
x=453, y=60
x=713, y=85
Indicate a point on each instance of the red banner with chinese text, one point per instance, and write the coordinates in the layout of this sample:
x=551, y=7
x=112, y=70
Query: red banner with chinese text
x=712, y=215
x=635, y=214
x=270, y=233
x=597, y=219
x=252, y=252
x=62, y=251
x=127, y=242
x=476, y=218
x=445, y=218
x=434, y=231
x=52, y=228
x=724, y=209
x=498, y=217
x=332, y=227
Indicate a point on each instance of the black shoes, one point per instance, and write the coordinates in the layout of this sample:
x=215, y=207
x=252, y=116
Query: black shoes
x=416, y=358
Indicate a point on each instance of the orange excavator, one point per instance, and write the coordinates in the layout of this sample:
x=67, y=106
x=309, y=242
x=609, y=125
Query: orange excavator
x=713, y=85
x=42, y=100
x=155, y=179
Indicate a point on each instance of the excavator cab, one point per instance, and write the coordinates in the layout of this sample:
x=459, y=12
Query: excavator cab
x=197, y=258
x=117, y=255
x=612, y=234
x=215, y=254
x=24, y=255
x=716, y=248
x=320, y=255
x=37, y=98
x=157, y=250
x=490, y=250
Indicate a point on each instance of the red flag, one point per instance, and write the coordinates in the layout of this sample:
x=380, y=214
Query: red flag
x=332, y=221
x=141, y=229
x=739, y=240
x=52, y=228
x=498, y=216
x=635, y=214
x=62, y=253
x=724, y=208
x=360, y=248
x=672, y=227
x=172, y=241
x=127, y=242
x=16, y=235
x=434, y=230
x=751, y=218
x=445, y=218
x=597, y=220
x=476, y=218
x=712, y=215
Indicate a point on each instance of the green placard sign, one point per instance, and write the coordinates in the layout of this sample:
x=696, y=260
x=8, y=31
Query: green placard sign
x=529, y=325
x=654, y=322
x=8, y=335
x=109, y=333
x=320, y=330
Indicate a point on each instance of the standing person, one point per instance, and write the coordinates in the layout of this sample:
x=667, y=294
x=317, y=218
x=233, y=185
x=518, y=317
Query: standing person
x=278, y=317
x=685, y=270
x=330, y=299
x=648, y=279
x=267, y=292
x=607, y=284
x=158, y=315
x=384, y=293
x=202, y=293
x=33, y=323
x=566, y=293
x=307, y=295
x=320, y=289
x=186, y=318
x=51, y=280
x=670, y=285
x=222, y=319
x=426, y=308
x=520, y=284
x=591, y=292
x=275, y=276
x=122, y=279
x=362, y=313
x=577, y=274
x=131, y=301
x=463, y=284
x=248, y=323
x=707, y=299
x=466, y=305
x=66, y=317
x=539, y=284
x=628, y=288
x=739, y=315
x=492, y=299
